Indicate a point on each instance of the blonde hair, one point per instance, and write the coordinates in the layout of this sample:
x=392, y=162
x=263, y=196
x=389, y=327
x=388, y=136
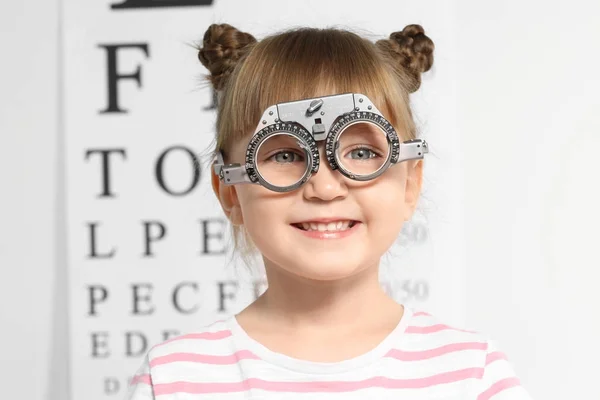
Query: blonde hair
x=250, y=75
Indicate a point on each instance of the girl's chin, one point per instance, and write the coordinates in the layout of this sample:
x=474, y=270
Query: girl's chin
x=324, y=270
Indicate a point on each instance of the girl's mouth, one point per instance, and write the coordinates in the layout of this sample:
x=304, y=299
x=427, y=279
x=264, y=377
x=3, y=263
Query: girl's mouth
x=332, y=226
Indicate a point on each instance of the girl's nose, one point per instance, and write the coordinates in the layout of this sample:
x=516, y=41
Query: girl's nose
x=326, y=184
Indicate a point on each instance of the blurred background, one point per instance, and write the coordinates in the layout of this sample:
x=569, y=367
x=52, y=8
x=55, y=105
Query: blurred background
x=111, y=241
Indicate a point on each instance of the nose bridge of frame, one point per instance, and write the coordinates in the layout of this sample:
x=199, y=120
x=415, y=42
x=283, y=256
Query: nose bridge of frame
x=317, y=115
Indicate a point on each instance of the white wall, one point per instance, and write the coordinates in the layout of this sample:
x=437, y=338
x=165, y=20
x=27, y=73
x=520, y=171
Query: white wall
x=528, y=87
x=32, y=269
x=529, y=113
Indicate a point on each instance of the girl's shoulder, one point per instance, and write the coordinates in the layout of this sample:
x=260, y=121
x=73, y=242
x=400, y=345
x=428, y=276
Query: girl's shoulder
x=428, y=338
x=182, y=358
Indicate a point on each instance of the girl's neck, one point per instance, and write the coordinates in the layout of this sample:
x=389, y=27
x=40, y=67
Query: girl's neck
x=295, y=302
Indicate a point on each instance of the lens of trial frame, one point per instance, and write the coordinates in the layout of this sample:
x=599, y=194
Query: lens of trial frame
x=281, y=160
x=362, y=148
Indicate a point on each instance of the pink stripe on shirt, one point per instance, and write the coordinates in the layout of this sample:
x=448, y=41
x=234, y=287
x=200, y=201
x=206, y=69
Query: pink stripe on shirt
x=499, y=387
x=204, y=358
x=431, y=353
x=199, y=336
x=248, y=355
x=432, y=329
x=495, y=356
x=421, y=314
x=144, y=378
x=316, y=386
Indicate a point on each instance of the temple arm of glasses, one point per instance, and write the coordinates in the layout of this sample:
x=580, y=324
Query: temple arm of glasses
x=230, y=174
x=413, y=149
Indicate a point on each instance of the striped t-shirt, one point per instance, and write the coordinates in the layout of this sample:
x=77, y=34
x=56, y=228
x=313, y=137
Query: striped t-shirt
x=420, y=359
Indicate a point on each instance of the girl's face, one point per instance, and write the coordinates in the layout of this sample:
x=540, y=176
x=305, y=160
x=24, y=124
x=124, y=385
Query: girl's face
x=331, y=227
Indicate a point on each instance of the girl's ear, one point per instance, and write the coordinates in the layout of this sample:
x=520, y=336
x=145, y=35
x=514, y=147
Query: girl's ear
x=228, y=198
x=412, y=190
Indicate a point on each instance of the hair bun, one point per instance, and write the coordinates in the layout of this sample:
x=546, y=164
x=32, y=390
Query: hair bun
x=413, y=50
x=222, y=47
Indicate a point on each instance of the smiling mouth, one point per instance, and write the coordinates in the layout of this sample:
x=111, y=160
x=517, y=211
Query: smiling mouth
x=334, y=226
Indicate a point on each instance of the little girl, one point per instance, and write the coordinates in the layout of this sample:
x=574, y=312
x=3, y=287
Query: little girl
x=318, y=167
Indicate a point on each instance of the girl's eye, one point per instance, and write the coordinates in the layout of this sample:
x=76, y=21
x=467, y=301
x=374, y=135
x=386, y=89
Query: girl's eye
x=362, y=153
x=285, y=157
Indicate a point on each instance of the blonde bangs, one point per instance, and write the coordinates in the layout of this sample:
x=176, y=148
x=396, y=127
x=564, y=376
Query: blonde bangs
x=308, y=63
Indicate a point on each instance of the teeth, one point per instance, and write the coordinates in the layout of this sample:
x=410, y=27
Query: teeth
x=329, y=227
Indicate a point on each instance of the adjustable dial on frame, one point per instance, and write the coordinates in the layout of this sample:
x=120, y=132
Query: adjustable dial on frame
x=303, y=140
x=383, y=127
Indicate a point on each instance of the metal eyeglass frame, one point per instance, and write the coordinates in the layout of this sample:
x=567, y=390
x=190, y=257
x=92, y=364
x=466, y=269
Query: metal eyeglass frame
x=327, y=118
